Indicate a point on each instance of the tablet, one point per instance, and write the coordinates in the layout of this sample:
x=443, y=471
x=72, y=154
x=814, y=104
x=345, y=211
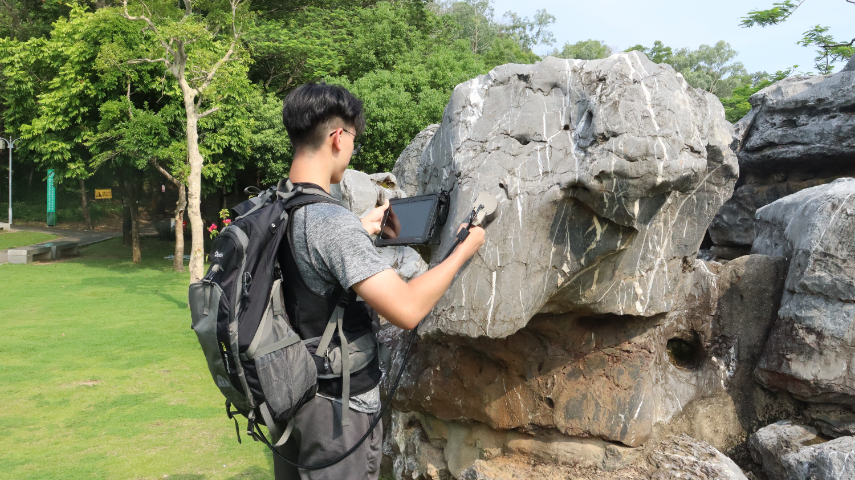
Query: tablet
x=408, y=221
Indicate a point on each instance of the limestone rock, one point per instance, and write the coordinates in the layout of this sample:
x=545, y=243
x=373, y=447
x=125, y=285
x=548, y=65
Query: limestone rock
x=832, y=460
x=833, y=420
x=770, y=443
x=685, y=457
x=359, y=192
x=406, y=168
x=811, y=349
x=799, y=133
x=789, y=451
x=613, y=377
x=607, y=173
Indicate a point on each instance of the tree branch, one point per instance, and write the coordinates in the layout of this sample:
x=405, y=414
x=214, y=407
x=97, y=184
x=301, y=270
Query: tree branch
x=852, y=42
x=164, y=172
x=149, y=60
x=150, y=26
x=220, y=62
x=208, y=112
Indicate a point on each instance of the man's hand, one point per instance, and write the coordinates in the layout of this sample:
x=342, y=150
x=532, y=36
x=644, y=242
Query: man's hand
x=371, y=222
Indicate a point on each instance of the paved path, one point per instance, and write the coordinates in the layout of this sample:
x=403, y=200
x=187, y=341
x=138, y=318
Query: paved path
x=82, y=237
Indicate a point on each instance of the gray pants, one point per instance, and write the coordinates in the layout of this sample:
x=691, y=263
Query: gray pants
x=318, y=438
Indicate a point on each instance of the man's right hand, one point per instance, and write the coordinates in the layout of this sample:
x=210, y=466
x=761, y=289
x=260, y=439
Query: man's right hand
x=474, y=241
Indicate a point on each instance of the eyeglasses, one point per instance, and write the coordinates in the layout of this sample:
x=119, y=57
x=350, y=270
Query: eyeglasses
x=357, y=147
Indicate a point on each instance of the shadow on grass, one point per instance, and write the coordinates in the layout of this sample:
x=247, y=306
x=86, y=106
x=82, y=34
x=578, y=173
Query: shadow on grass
x=253, y=472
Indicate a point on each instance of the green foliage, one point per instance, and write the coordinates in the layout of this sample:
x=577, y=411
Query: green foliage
x=658, y=53
x=584, y=50
x=25, y=19
x=829, y=51
x=711, y=68
x=737, y=105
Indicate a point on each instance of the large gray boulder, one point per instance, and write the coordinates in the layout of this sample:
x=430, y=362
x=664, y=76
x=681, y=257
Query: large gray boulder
x=406, y=168
x=793, y=452
x=799, y=133
x=607, y=173
x=614, y=378
x=811, y=350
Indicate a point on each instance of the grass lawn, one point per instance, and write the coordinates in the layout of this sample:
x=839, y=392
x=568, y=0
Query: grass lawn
x=101, y=376
x=19, y=239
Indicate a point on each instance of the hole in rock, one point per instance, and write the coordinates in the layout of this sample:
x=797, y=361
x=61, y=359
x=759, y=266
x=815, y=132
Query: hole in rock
x=566, y=126
x=848, y=109
x=788, y=123
x=684, y=353
x=550, y=403
x=523, y=138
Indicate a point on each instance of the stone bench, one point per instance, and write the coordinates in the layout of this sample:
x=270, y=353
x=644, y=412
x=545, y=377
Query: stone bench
x=42, y=251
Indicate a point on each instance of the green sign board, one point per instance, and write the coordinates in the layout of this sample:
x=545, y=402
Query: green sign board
x=51, y=199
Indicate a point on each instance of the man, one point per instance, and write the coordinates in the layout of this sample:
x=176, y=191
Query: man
x=334, y=256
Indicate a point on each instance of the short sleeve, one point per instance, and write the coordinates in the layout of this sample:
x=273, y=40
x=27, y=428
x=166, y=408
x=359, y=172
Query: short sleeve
x=339, y=245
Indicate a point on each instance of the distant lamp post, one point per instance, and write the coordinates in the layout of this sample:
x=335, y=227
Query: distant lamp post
x=10, y=142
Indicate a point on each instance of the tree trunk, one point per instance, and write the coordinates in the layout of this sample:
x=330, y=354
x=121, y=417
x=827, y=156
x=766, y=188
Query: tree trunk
x=194, y=186
x=135, y=223
x=178, y=262
x=127, y=220
x=85, y=204
x=30, y=182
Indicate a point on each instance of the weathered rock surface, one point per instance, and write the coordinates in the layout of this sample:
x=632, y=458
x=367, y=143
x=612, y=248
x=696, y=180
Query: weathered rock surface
x=614, y=377
x=833, y=420
x=811, y=350
x=359, y=192
x=799, y=133
x=407, y=166
x=685, y=457
x=607, y=172
x=789, y=451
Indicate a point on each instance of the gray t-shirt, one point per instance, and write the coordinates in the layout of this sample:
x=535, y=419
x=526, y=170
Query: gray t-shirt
x=332, y=248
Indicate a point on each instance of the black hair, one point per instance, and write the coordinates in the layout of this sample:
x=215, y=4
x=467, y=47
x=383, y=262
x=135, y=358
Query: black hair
x=314, y=108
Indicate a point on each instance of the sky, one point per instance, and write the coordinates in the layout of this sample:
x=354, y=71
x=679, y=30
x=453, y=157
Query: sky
x=691, y=23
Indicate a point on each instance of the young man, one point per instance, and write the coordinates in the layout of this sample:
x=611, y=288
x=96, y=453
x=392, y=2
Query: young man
x=334, y=257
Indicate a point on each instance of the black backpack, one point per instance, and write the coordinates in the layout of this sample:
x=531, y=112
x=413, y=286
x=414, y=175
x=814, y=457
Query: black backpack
x=256, y=359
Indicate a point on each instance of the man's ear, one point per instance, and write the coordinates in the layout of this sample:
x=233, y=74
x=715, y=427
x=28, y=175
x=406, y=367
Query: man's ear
x=336, y=139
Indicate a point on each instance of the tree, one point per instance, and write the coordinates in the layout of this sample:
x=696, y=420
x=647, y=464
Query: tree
x=829, y=50
x=202, y=51
x=658, y=53
x=54, y=89
x=737, y=106
x=711, y=68
x=583, y=50
x=530, y=33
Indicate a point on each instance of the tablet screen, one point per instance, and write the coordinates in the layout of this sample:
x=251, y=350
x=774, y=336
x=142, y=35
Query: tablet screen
x=408, y=220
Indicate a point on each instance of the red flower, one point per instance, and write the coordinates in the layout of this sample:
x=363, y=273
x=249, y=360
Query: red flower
x=212, y=227
x=227, y=221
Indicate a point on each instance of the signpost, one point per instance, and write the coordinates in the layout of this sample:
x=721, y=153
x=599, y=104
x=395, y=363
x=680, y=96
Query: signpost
x=51, y=199
x=103, y=194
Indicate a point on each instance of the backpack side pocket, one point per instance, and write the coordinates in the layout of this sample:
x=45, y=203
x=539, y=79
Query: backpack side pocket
x=286, y=372
x=208, y=307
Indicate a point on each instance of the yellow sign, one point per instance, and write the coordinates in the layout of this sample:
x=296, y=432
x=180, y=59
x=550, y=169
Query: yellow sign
x=103, y=194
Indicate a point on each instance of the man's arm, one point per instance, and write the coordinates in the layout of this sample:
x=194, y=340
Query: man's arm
x=405, y=304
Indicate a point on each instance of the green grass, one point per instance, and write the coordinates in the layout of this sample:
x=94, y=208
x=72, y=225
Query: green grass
x=101, y=376
x=19, y=239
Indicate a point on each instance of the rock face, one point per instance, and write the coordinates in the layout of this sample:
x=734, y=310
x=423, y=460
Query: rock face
x=800, y=133
x=685, y=457
x=613, y=377
x=793, y=452
x=811, y=350
x=607, y=174
x=407, y=166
